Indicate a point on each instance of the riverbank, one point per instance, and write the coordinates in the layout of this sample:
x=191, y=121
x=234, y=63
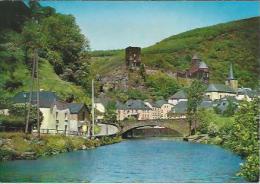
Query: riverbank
x=19, y=146
x=238, y=133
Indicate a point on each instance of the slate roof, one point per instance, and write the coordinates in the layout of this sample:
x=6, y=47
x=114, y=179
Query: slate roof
x=60, y=104
x=181, y=94
x=75, y=107
x=223, y=103
x=181, y=107
x=247, y=91
x=47, y=98
x=206, y=104
x=219, y=88
x=136, y=105
x=159, y=103
x=120, y=106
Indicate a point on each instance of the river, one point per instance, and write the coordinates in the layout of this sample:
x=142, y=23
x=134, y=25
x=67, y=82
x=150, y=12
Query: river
x=137, y=160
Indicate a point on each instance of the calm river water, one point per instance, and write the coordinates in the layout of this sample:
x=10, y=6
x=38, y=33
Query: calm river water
x=138, y=160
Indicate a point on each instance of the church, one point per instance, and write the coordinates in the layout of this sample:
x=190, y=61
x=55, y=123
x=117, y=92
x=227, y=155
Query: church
x=218, y=91
x=198, y=70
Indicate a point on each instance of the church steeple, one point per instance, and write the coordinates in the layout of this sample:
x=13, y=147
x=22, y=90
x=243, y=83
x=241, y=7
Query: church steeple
x=231, y=74
x=231, y=81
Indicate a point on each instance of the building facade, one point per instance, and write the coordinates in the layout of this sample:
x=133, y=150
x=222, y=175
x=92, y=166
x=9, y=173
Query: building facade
x=178, y=97
x=58, y=117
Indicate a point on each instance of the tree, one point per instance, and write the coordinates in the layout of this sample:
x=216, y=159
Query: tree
x=243, y=138
x=195, y=94
x=162, y=84
x=231, y=108
x=110, y=114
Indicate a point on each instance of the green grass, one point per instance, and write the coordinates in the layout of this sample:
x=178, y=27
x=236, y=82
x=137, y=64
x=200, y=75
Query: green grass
x=48, y=79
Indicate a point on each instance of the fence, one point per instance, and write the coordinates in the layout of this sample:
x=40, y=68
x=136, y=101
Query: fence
x=56, y=132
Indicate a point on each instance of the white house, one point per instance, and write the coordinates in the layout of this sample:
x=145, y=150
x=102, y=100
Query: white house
x=180, y=96
x=57, y=117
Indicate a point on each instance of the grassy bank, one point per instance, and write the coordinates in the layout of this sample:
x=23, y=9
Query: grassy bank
x=21, y=146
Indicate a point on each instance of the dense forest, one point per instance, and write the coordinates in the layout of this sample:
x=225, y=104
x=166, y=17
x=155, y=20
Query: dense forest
x=62, y=50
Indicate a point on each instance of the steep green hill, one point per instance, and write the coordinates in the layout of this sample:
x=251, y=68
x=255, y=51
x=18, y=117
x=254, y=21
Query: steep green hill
x=49, y=81
x=61, y=51
x=218, y=45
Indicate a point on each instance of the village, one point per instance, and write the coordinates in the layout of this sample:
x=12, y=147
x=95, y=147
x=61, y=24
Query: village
x=60, y=117
x=129, y=92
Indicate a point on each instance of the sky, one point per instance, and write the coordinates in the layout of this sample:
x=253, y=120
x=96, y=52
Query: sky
x=117, y=24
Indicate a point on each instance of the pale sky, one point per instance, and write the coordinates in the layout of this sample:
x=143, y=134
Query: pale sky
x=119, y=24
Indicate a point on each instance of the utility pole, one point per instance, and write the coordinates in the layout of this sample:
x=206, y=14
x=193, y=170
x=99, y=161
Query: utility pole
x=93, y=111
x=35, y=73
x=30, y=97
x=37, y=92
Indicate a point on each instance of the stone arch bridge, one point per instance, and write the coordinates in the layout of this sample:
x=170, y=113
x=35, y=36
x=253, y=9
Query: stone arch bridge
x=179, y=125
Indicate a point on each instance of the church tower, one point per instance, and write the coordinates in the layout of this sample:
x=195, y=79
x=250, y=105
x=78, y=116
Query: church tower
x=231, y=81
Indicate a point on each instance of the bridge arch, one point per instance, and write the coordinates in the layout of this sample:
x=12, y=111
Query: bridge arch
x=179, y=125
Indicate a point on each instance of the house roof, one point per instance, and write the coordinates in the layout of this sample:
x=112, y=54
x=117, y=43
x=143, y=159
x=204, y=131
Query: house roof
x=224, y=102
x=206, y=104
x=247, y=91
x=136, y=105
x=181, y=94
x=159, y=103
x=219, y=88
x=120, y=106
x=181, y=107
x=202, y=65
x=75, y=108
x=60, y=104
x=46, y=98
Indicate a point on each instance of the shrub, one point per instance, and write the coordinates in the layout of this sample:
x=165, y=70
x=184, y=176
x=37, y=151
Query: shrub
x=10, y=122
x=213, y=129
x=162, y=84
x=250, y=169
